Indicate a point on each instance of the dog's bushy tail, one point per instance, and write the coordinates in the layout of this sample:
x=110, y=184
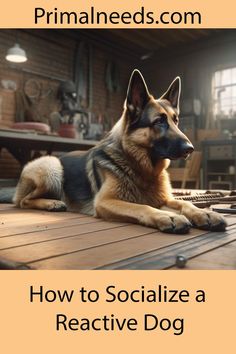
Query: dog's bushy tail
x=7, y=194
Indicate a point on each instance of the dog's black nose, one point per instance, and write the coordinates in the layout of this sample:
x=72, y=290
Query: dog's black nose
x=186, y=148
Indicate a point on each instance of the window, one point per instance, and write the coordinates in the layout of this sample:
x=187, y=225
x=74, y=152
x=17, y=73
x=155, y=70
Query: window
x=224, y=93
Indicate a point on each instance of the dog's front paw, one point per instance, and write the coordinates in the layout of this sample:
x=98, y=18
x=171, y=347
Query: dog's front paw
x=208, y=220
x=176, y=224
x=56, y=205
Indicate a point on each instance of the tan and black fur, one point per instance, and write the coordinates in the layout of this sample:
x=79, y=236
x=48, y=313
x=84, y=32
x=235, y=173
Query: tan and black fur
x=124, y=177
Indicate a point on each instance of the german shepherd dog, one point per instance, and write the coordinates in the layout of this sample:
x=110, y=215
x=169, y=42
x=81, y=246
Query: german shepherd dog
x=124, y=177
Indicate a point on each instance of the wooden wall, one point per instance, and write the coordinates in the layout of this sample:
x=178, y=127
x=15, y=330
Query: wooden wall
x=51, y=55
x=195, y=64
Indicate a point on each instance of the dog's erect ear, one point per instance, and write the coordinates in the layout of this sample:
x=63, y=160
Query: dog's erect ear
x=173, y=93
x=137, y=94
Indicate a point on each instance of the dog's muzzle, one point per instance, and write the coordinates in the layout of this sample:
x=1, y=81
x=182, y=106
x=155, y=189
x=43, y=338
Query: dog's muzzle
x=171, y=149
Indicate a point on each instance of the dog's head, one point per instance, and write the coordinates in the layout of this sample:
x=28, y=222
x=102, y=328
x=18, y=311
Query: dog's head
x=153, y=124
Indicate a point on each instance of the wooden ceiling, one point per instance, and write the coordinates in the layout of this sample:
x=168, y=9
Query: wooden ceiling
x=141, y=42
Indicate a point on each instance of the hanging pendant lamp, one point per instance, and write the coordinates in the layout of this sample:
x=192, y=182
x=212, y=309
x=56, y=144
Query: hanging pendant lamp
x=16, y=54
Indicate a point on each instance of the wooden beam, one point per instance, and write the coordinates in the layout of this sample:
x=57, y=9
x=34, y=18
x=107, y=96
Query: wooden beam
x=129, y=35
x=150, y=37
x=224, y=37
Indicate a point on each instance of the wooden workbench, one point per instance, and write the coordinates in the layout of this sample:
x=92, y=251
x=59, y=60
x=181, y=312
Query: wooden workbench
x=21, y=144
x=44, y=240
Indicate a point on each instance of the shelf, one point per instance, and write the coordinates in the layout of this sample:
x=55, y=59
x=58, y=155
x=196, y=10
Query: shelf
x=220, y=158
x=219, y=174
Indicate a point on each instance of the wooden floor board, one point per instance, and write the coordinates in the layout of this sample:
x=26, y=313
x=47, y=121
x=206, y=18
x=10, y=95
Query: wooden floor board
x=12, y=217
x=219, y=258
x=95, y=257
x=11, y=225
x=44, y=226
x=30, y=253
x=81, y=227
x=45, y=240
x=5, y=207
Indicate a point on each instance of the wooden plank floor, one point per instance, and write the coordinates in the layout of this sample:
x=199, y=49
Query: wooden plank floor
x=220, y=258
x=44, y=240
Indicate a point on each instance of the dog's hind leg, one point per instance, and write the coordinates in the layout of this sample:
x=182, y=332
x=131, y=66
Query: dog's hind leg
x=44, y=204
x=32, y=201
x=40, y=178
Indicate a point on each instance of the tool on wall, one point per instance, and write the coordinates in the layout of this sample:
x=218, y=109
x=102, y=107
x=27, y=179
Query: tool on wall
x=112, y=80
x=35, y=91
x=83, y=75
x=70, y=113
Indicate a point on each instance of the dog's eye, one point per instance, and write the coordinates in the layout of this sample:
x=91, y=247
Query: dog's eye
x=161, y=119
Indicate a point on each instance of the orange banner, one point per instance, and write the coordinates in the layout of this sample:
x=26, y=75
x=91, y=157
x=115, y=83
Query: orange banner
x=117, y=311
x=108, y=14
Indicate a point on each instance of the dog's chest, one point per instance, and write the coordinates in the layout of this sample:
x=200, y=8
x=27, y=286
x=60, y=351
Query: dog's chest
x=136, y=190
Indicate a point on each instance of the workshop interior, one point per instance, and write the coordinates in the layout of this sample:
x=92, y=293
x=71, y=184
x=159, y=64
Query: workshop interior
x=72, y=84
x=63, y=90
